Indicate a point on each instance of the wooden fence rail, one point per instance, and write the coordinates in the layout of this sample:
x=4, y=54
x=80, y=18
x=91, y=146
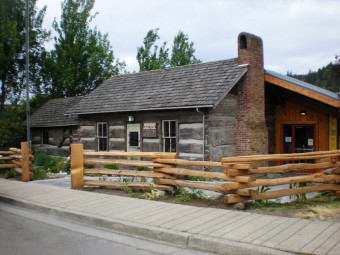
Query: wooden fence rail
x=19, y=160
x=237, y=178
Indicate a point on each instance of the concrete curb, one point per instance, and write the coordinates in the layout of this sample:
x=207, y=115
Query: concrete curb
x=199, y=242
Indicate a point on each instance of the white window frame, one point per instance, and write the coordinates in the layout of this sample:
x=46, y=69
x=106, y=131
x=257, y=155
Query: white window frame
x=173, y=147
x=102, y=136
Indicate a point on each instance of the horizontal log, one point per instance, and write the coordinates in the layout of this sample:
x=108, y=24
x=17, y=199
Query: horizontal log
x=294, y=167
x=15, y=150
x=317, y=178
x=334, y=170
x=7, y=152
x=238, y=166
x=123, y=162
x=133, y=154
x=296, y=191
x=133, y=185
x=193, y=185
x=246, y=192
x=6, y=158
x=281, y=157
x=135, y=173
x=17, y=162
x=183, y=162
x=4, y=166
x=234, y=186
x=197, y=173
x=244, y=179
x=282, y=193
x=235, y=172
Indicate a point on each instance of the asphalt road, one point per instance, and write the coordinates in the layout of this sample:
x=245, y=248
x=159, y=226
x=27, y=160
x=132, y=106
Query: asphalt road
x=31, y=233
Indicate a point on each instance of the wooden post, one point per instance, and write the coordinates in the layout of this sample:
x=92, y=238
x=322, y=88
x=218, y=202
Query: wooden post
x=77, y=166
x=25, y=174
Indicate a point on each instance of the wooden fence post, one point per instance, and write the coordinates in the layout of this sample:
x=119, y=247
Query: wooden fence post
x=77, y=166
x=25, y=174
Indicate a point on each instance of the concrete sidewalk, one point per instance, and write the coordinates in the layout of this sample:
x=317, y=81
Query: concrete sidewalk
x=209, y=229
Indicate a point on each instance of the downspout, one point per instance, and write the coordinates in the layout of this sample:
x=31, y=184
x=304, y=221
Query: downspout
x=203, y=120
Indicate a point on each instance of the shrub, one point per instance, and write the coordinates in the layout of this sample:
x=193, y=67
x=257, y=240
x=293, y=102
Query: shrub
x=39, y=174
x=48, y=163
x=112, y=167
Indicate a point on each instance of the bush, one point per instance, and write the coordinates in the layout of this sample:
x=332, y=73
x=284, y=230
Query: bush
x=39, y=174
x=111, y=167
x=48, y=163
x=41, y=158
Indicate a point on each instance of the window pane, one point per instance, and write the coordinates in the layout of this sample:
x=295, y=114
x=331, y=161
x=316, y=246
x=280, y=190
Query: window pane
x=167, y=145
x=104, y=132
x=102, y=144
x=99, y=129
x=173, y=128
x=133, y=141
x=166, y=130
x=173, y=144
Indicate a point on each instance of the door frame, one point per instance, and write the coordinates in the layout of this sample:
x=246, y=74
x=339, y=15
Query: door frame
x=133, y=127
x=279, y=133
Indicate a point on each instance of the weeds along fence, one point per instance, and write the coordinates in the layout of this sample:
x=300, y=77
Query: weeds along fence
x=18, y=159
x=237, y=178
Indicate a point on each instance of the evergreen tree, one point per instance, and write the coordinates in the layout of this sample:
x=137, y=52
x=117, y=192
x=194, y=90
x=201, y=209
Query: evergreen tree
x=83, y=57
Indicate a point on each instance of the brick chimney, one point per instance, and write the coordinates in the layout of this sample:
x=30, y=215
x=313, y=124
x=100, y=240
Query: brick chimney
x=251, y=129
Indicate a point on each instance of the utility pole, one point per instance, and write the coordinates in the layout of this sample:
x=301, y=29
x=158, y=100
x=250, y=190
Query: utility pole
x=28, y=110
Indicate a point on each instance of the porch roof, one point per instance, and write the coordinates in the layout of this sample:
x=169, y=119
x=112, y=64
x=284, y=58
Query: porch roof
x=303, y=88
x=52, y=113
x=192, y=86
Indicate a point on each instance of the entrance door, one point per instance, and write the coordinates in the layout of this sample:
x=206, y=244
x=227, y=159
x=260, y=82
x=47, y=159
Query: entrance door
x=133, y=137
x=298, y=138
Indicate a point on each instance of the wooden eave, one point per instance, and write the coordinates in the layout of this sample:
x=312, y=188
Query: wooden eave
x=303, y=91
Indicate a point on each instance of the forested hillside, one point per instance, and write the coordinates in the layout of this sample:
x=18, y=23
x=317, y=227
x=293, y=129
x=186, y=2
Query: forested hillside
x=327, y=77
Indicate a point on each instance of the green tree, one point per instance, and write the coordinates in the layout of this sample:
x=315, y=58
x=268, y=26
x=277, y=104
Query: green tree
x=11, y=128
x=12, y=49
x=83, y=57
x=183, y=51
x=150, y=56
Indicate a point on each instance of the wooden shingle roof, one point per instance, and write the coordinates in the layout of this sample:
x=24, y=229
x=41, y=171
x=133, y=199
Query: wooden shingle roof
x=191, y=86
x=52, y=114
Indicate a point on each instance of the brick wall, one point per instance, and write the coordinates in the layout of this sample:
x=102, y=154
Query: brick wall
x=251, y=131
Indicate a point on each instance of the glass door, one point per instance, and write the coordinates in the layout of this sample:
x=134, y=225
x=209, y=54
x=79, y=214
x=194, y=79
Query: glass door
x=298, y=138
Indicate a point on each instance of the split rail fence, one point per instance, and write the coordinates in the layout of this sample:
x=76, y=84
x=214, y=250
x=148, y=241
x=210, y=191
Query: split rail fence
x=19, y=160
x=237, y=178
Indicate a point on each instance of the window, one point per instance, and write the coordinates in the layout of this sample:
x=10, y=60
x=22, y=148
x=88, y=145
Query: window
x=44, y=137
x=102, y=136
x=133, y=141
x=169, y=135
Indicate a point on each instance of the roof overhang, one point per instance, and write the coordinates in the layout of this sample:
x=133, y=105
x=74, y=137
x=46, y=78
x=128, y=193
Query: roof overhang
x=303, y=90
x=146, y=109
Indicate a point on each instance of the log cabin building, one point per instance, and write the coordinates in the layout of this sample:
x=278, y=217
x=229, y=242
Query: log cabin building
x=209, y=110
x=52, y=130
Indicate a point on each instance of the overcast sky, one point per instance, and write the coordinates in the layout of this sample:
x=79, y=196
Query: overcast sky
x=298, y=35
